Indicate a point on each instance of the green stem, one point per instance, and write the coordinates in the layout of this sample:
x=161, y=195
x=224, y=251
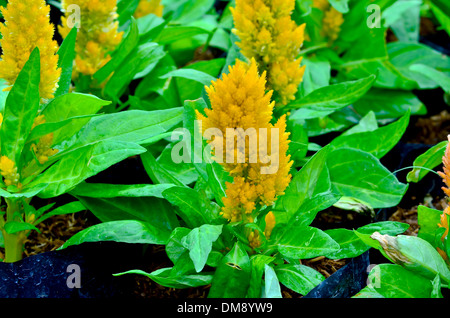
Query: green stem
x=13, y=242
x=314, y=48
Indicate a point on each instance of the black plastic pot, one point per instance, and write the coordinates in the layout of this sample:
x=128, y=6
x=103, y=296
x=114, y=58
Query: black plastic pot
x=82, y=271
x=346, y=282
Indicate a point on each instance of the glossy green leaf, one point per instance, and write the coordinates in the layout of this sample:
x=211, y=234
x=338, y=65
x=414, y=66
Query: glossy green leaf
x=258, y=263
x=377, y=142
x=299, y=278
x=120, y=54
x=127, y=231
x=272, y=287
x=153, y=210
x=352, y=246
x=442, y=79
x=175, y=33
x=163, y=277
x=191, y=74
x=193, y=208
x=102, y=190
x=232, y=276
x=427, y=161
x=69, y=208
x=424, y=258
x=305, y=242
x=199, y=243
x=334, y=97
x=393, y=281
x=66, y=55
x=13, y=227
x=389, y=104
x=63, y=176
x=360, y=175
x=428, y=220
x=22, y=105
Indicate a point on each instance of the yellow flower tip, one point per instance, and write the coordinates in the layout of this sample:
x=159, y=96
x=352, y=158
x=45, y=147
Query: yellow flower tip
x=97, y=37
x=270, y=224
x=21, y=37
x=269, y=35
x=331, y=24
x=43, y=150
x=1, y=120
x=8, y=170
x=146, y=7
x=254, y=239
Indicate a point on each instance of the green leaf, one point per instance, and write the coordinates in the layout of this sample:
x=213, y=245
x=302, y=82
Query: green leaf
x=63, y=176
x=360, y=175
x=350, y=243
x=442, y=79
x=389, y=104
x=66, y=55
x=127, y=45
x=393, y=281
x=258, y=263
x=377, y=142
x=22, y=105
x=232, y=276
x=428, y=220
x=174, y=33
x=440, y=9
x=299, y=278
x=334, y=97
x=191, y=74
x=305, y=242
x=69, y=106
x=128, y=231
x=69, y=208
x=163, y=277
x=427, y=161
x=138, y=60
x=271, y=284
x=423, y=258
x=102, y=190
x=13, y=227
x=153, y=210
x=194, y=209
x=174, y=246
x=199, y=243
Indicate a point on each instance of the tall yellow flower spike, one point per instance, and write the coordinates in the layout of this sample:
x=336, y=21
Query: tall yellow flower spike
x=269, y=35
x=149, y=6
x=239, y=100
x=98, y=35
x=445, y=175
x=27, y=26
x=332, y=19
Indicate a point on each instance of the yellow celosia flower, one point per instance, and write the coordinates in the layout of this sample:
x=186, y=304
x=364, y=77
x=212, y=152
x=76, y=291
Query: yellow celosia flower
x=27, y=26
x=239, y=100
x=146, y=7
x=269, y=35
x=8, y=170
x=1, y=119
x=98, y=35
x=332, y=19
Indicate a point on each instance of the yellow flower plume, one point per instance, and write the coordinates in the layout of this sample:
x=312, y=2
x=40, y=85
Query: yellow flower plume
x=8, y=170
x=98, y=35
x=146, y=7
x=239, y=100
x=27, y=26
x=332, y=19
x=269, y=35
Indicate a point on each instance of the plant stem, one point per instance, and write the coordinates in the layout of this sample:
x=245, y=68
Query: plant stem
x=13, y=242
